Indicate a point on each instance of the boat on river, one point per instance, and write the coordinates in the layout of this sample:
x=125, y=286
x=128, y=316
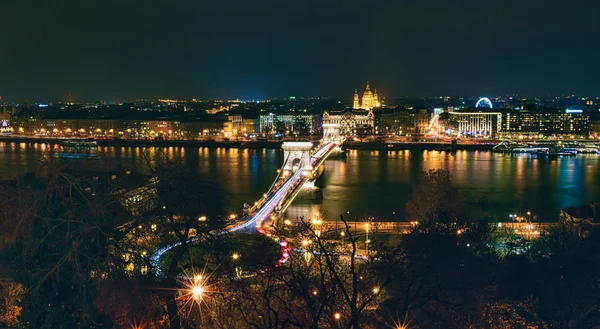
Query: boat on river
x=558, y=151
x=80, y=143
x=588, y=149
x=513, y=147
x=81, y=148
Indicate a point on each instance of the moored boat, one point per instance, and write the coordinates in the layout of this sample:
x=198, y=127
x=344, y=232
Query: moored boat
x=80, y=142
x=558, y=151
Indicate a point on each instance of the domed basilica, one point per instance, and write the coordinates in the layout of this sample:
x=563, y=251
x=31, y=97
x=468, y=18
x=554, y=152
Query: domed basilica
x=370, y=99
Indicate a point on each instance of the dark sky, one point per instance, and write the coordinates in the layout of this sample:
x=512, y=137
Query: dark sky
x=125, y=49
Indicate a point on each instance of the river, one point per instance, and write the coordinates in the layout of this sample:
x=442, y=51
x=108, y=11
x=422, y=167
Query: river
x=360, y=184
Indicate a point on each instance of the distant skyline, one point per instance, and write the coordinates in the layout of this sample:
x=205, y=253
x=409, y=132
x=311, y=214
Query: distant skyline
x=115, y=50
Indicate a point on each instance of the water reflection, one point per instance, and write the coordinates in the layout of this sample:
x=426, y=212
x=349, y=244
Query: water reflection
x=493, y=184
x=365, y=183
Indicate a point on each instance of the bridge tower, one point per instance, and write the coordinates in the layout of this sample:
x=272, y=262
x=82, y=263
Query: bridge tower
x=331, y=132
x=296, y=156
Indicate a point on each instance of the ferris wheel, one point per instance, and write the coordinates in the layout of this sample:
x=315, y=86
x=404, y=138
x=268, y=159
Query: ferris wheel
x=484, y=102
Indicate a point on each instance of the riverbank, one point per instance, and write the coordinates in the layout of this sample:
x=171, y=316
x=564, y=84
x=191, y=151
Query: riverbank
x=260, y=144
x=420, y=146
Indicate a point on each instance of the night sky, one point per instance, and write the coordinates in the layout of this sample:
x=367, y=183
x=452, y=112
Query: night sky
x=126, y=49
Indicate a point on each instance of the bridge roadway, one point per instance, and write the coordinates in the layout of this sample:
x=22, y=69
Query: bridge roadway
x=283, y=193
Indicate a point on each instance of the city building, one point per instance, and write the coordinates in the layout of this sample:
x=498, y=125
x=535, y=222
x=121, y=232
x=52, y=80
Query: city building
x=4, y=127
x=369, y=99
x=351, y=121
x=546, y=123
x=595, y=128
x=402, y=122
x=288, y=124
x=116, y=128
x=237, y=126
x=5, y=121
x=471, y=124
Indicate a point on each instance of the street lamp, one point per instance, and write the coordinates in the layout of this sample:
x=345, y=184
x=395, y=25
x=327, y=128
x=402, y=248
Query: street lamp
x=238, y=270
x=337, y=316
x=197, y=292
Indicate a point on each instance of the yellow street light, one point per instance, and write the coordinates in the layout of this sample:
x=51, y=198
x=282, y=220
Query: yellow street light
x=197, y=291
x=202, y=218
x=235, y=256
x=232, y=216
x=337, y=316
x=376, y=290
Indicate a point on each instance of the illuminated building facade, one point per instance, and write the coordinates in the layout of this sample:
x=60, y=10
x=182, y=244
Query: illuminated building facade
x=237, y=126
x=473, y=124
x=4, y=122
x=402, y=122
x=127, y=128
x=287, y=124
x=563, y=122
x=595, y=128
x=4, y=128
x=351, y=122
x=370, y=99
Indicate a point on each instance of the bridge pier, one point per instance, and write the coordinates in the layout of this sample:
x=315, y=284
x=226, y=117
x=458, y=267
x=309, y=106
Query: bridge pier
x=297, y=157
x=310, y=192
x=331, y=132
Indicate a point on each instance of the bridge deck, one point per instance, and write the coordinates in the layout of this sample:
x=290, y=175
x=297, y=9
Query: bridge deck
x=283, y=193
x=266, y=206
